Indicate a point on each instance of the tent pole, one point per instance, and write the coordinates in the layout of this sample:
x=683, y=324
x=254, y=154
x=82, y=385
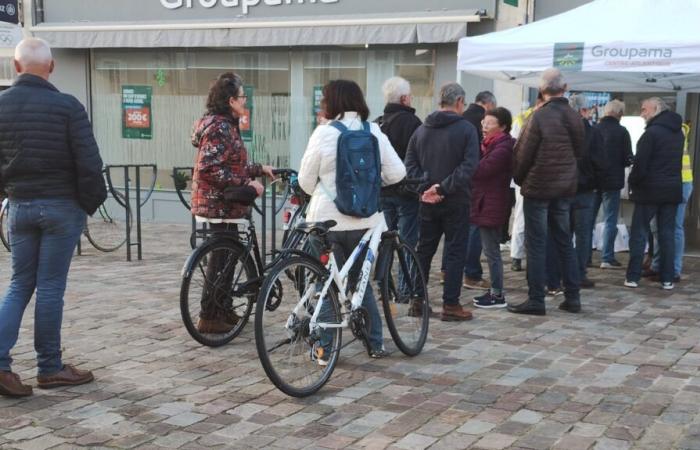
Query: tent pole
x=681, y=101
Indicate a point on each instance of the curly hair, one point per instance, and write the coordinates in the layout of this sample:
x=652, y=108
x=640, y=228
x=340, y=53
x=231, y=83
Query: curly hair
x=227, y=85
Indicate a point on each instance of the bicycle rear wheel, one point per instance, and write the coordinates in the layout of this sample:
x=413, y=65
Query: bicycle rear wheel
x=219, y=285
x=405, y=300
x=288, y=351
x=4, y=230
x=106, y=229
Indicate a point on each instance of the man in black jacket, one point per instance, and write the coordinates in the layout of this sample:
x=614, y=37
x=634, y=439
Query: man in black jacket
x=473, y=272
x=618, y=154
x=656, y=188
x=398, y=123
x=445, y=150
x=51, y=170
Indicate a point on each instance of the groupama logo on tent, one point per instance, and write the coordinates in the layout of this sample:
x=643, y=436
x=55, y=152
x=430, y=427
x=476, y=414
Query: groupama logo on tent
x=568, y=56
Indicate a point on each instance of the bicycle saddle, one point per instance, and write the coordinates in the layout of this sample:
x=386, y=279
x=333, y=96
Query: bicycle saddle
x=319, y=227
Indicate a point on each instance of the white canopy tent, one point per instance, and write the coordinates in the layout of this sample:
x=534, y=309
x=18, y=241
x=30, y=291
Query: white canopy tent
x=605, y=45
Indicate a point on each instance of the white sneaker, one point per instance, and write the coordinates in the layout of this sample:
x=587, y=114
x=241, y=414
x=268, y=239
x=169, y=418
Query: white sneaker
x=607, y=265
x=505, y=247
x=632, y=284
x=667, y=286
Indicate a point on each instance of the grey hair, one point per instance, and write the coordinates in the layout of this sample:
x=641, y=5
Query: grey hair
x=552, y=82
x=614, y=108
x=394, y=88
x=578, y=102
x=485, y=97
x=660, y=105
x=450, y=94
x=33, y=52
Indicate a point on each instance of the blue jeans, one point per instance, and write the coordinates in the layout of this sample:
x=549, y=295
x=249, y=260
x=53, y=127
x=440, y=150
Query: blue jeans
x=583, y=228
x=639, y=233
x=402, y=213
x=44, y=233
x=544, y=218
x=611, y=212
x=343, y=244
x=472, y=257
x=450, y=218
x=679, y=235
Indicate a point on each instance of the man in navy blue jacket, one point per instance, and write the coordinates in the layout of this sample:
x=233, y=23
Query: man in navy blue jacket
x=51, y=170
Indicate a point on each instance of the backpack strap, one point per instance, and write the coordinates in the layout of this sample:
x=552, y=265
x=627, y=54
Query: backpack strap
x=365, y=125
x=338, y=125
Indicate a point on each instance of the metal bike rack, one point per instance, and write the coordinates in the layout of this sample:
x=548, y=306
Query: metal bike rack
x=137, y=170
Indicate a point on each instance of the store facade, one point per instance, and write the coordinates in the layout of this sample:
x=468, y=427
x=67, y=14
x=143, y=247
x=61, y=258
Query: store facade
x=285, y=50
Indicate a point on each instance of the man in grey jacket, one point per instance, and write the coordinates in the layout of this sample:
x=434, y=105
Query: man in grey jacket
x=445, y=150
x=51, y=170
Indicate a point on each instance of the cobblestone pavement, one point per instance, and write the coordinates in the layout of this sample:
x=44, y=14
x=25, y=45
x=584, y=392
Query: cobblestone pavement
x=624, y=374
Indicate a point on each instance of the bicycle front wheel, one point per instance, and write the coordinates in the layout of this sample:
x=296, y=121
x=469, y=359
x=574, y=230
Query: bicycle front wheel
x=219, y=285
x=297, y=360
x=405, y=300
x=106, y=229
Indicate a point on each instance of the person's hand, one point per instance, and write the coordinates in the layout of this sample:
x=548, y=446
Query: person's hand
x=267, y=171
x=431, y=195
x=259, y=188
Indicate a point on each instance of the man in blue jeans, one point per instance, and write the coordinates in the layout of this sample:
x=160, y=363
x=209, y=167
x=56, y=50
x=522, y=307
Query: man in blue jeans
x=545, y=169
x=52, y=173
x=656, y=188
x=618, y=152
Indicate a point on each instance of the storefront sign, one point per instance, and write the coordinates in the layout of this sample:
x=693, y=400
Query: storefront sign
x=245, y=5
x=316, y=108
x=245, y=123
x=9, y=11
x=577, y=56
x=136, y=112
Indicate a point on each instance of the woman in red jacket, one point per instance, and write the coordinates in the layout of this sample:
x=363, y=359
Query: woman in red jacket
x=223, y=188
x=491, y=198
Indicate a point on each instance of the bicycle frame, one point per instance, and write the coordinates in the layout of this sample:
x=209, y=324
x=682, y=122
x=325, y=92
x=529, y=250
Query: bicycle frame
x=370, y=241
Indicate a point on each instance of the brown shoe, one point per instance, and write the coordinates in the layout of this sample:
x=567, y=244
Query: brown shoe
x=471, y=283
x=219, y=325
x=68, y=376
x=455, y=313
x=11, y=385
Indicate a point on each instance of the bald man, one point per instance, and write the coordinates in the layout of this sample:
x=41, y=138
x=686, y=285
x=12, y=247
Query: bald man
x=51, y=171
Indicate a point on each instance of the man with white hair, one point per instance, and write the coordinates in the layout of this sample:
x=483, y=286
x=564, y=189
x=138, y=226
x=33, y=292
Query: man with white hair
x=545, y=169
x=398, y=122
x=617, y=146
x=51, y=171
x=656, y=188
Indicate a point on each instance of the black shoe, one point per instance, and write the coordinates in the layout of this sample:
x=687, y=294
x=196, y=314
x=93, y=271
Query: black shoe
x=527, y=307
x=378, y=353
x=490, y=301
x=572, y=307
x=586, y=284
x=516, y=265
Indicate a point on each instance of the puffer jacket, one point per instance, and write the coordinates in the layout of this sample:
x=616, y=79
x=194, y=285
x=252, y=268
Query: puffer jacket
x=617, y=146
x=491, y=183
x=222, y=162
x=546, y=153
x=47, y=147
x=656, y=173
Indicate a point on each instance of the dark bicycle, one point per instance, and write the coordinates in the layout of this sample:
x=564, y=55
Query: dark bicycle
x=222, y=276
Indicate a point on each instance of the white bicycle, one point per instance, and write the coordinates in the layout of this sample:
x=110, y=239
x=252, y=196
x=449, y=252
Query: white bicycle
x=305, y=303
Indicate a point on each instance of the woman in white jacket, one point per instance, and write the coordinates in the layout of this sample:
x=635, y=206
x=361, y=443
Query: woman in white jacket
x=343, y=101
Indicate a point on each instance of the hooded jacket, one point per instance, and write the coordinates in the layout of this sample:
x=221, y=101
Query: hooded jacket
x=617, y=147
x=475, y=114
x=47, y=147
x=398, y=123
x=656, y=173
x=547, y=150
x=222, y=162
x=491, y=197
x=445, y=150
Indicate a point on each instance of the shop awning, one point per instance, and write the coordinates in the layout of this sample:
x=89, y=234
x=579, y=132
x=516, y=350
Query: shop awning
x=428, y=28
x=605, y=45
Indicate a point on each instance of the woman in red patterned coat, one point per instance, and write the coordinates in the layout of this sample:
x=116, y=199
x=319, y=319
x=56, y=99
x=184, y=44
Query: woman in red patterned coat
x=223, y=187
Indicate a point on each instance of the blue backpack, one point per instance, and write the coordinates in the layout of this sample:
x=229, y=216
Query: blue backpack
x=358, y=167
